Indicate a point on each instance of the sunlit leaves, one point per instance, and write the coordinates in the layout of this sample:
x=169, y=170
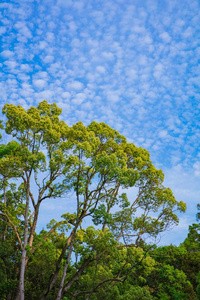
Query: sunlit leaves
x=95, y=164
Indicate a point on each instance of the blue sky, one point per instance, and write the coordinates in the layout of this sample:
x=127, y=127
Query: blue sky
x=134, y=65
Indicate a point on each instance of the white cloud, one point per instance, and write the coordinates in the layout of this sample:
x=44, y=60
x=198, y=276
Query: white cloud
x=188, y=32
x=41, y=74
x=10, y=64
x=100, y=69
x=50, y=37
x=80, y=97
x=165, y=37
x=7, y=53
x=76, y=85
x=108, y=55
x=132, y=74
x=42, y=45
x=48, y=59
x=26, y=68
x=66, y=95
x=23, y=29
x=39, y=83
x=163, y=134
x=197, y=168
x=2, y=30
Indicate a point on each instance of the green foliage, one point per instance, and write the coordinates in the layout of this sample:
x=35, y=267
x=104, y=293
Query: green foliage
x=109, y=267
x=198, y=213
x=169, y=283
x=136, y=293
x=42, y=263
x=95, y=163
x=192, y=242
x=198, y=287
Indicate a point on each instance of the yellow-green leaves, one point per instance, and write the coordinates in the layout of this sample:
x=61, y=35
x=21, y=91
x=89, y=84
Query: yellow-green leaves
x=95, y=162
x=41, y=123
x=182, y=206
x=49, y=109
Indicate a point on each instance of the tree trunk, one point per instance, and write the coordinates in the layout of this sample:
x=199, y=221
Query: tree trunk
x=54, y=276
x=33, y=227
x=78, y=274
x=60, y=291
x=4, y=196
x=20, y=295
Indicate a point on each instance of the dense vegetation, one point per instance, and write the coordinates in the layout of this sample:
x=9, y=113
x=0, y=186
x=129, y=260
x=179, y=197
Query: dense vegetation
x=93, y=166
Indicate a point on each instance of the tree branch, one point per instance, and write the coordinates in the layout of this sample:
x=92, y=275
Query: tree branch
x=15, y=229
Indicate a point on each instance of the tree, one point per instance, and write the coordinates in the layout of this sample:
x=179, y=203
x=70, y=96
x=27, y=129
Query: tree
x=97, y=171
x=192, y=246
x=35, y=129
x=183, y=264
x=104, y=163
x=198, y=287
x=11, y=232
x=170, y=283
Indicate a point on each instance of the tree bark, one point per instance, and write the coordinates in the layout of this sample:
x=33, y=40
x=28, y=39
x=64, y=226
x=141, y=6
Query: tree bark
x=60, y=291
x=20, y=295
x=33, y=227
x=54, y=277
x=78, y=274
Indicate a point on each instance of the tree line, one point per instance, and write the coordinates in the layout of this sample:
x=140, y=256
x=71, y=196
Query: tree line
x=47, y=159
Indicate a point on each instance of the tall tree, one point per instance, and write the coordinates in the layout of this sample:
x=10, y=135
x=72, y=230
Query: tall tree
x=98, y=169
x=104, y=164
x=36, y=130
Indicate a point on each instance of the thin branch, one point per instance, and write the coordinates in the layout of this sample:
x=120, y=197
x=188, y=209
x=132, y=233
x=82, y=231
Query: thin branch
x=15, y=229
x=49, y=232
x=101, y=283
x=125, y=223
x=32, y=199
x=126, y=246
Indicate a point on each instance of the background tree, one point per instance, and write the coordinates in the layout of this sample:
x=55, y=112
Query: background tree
x=11, y=229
